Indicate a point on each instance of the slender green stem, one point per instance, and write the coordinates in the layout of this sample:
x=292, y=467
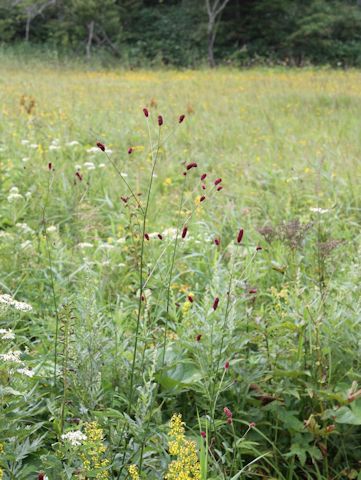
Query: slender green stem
x=171, y=270
x=141, y=268
x=52, y=282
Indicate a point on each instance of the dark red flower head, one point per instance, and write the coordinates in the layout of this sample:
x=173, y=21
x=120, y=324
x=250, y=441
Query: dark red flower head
x=198, y=337
x=160, y=236
x=184, y=232
x=124, y=199
x=203, y=434
x=192, y=165
x=253, y=290
x=181, y=118
x=41, y=476
x=202, y=198
x=219, y=188
x=216, y=182
x=258, y=248
x=146, y=113
x=227, y=412
x=217, y=241
x=79, y=176
x=203, y=187
x=215, y=303
x=146, y=236
x=160, y=120
x=252, y=425
x=130, y=150
x=50, y=166
x=226, y=365
x=240, y=236
x=101, y=146
x=190, y=298
x=203, y=177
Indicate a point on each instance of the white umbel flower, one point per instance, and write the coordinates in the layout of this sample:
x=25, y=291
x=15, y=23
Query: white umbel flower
x=89, y=165
x=75, y=438
x=85, y=245
x=7, y=300
x=321, y=211
x=11, y=357
x=26, y=371
x=12, y=197
x=7, y=334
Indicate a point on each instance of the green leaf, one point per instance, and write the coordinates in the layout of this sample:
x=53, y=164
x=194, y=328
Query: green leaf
x=349, y=416
x=184, y=373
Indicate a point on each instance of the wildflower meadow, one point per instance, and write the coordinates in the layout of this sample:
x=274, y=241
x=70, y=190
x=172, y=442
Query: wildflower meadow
x=179, y=274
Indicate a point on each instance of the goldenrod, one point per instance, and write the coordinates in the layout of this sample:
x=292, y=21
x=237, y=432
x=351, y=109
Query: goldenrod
x=93, y=451
x=133, y=472
x=186, y=466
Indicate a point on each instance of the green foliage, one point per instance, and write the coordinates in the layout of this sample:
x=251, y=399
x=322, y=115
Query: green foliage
x=174, y=32
x=267, y=379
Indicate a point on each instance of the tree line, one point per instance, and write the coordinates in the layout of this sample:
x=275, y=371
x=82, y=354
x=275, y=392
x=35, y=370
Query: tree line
x=187, y=33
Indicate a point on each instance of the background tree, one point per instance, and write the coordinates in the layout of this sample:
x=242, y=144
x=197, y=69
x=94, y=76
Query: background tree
x=32, y=9
x=214, y=10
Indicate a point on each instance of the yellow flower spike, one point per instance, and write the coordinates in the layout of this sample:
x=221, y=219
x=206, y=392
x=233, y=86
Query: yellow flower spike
x=133, y=472
x=186, y=465
x=92, y=455
x=186, y=307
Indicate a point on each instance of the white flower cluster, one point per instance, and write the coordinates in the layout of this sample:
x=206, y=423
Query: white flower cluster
x=26, y=371
x=14, y=195
x=97, y=149
x=84, y=245
x=25, y=228
x=7, y=334
x=11, y=357
x=8, y=301
x=75, y=438
x=321, y=211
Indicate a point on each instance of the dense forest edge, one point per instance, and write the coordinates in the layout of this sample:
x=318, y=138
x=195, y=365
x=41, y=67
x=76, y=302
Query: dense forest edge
x=186, y=33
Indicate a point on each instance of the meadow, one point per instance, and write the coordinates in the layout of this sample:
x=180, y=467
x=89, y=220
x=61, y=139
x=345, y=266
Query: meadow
x=179, y=296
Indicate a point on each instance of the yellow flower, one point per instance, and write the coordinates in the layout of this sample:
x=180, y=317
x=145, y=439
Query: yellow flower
x=186, y=307
x=186, y=465
x=167, y=182
x=93, y=451
x=1, y=470
x=133, y=472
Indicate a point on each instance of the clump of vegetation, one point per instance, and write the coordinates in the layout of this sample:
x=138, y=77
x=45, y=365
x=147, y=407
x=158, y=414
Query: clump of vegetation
x=205, y=263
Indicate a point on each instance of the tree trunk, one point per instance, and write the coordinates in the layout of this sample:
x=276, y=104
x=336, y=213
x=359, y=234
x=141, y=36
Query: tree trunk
x=90, y=39
x=214, y=10
x=27, y=27
x=211, y=39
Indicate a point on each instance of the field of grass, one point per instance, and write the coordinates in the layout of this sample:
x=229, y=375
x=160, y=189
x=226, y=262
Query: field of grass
x=126, y=298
